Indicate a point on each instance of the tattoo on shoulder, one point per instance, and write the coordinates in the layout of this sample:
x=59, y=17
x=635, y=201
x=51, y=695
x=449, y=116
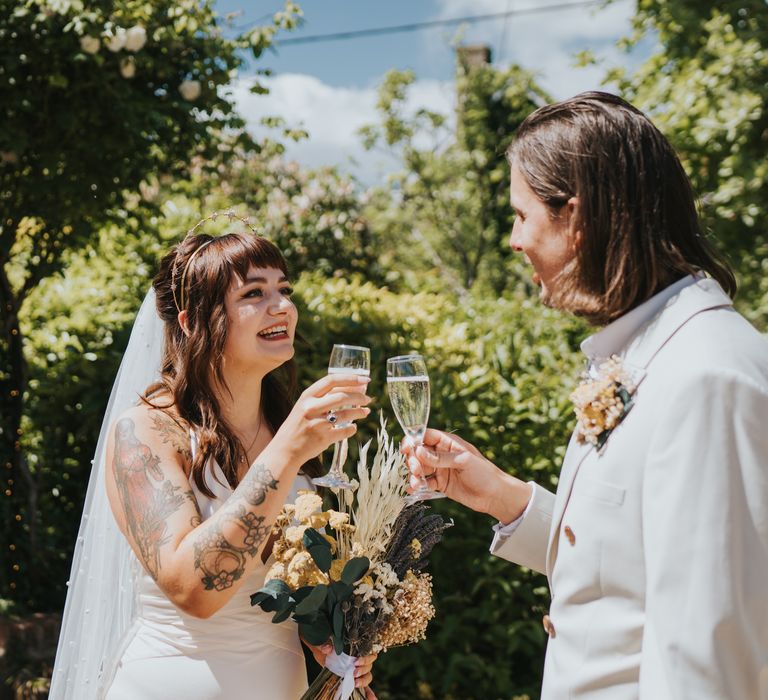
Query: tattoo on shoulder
x=148, y=498
x=256, y=483
x=220, y=560
x=172, y=433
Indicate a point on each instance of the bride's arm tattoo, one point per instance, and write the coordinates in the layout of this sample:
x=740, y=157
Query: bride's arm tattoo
x=148, y=498
x=256, y=483
x=221, y=560
x=172, y=433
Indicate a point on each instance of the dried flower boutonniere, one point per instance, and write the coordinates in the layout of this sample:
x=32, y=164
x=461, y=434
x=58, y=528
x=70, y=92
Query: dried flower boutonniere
x=602, y=402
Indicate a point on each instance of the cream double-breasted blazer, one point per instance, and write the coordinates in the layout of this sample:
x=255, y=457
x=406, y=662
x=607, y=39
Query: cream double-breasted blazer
x=656, y=548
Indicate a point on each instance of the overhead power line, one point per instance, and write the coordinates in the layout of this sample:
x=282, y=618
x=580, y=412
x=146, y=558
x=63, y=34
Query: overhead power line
x=376, y=31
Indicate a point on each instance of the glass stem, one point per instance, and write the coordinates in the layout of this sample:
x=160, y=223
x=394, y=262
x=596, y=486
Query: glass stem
x=336, y=464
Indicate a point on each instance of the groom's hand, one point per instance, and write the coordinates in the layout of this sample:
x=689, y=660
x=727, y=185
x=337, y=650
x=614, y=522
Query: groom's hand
x=456, y=467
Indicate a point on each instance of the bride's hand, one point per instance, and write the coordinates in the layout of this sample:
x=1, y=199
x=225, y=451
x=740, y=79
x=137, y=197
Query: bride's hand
x=363, y=666
x=307, y=431
x=457, y=468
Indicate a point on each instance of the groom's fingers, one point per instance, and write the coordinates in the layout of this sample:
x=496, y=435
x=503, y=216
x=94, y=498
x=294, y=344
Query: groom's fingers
x=432, y=459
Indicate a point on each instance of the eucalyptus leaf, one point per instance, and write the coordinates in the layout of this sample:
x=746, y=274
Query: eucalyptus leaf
x=282, y=615
x=316, y=633
x=355, y=569
x=319, y=548
x=338, y=621
x=313, y=601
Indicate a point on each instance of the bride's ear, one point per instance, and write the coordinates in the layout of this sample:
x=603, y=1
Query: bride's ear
x=184, y=322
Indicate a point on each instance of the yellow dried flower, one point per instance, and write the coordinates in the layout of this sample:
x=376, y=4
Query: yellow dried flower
x=331, y=541
x=278, y=571
x=318, y=520
x=294, y=535
x=415, y=548
x=306, y=504
x=337, y=519
x=412, y=611
x=288, y=554
x=337, y=567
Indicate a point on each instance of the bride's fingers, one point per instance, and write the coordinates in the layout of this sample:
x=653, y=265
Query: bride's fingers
x=364, y=680
x=331, y=382
x=337, y=399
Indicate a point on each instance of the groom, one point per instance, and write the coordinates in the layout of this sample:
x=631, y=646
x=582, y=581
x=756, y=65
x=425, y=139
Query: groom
x=656, y=542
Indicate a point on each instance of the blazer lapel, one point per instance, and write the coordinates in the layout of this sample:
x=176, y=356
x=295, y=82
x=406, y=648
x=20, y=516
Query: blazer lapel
x=704, y=294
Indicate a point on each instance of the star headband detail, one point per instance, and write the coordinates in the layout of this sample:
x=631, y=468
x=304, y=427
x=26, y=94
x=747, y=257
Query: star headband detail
x=212, y=217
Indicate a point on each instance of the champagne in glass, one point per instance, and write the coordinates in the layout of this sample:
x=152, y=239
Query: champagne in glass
x=345, y=359
x=408, y=385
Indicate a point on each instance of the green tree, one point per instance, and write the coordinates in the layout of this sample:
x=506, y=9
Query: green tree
x=95, y=97
x=315, y=216
x=450, y=202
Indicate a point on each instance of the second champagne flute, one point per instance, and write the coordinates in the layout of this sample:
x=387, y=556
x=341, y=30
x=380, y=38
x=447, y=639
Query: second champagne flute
x=408, y=385
x=345, y=359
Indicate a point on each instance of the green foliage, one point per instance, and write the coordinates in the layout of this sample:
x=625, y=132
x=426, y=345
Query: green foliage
x=449, y=206
x=314, y=216
x=97, y=98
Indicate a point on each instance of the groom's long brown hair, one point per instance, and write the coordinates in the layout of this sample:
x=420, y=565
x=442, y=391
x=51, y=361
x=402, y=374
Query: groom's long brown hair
x=640, y=230
x=191, y=363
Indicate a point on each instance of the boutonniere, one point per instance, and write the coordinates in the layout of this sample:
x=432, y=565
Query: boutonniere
x=602, y=401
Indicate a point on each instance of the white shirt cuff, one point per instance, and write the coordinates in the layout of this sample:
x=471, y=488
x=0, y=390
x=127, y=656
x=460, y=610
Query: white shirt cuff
x=506, y=530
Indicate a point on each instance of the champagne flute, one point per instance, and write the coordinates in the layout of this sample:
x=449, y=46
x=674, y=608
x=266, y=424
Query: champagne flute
x=408, y=386
x=345, y=359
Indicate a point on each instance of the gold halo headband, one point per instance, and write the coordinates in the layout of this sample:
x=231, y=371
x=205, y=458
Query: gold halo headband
x=212, y=217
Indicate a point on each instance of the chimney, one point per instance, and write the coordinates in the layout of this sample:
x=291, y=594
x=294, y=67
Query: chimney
x=473, y=55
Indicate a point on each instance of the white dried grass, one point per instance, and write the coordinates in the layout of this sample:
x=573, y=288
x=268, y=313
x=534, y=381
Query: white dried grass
x=378, y=499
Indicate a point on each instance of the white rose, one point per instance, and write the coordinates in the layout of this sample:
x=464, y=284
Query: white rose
x=90, y=44
x=128, y=67
x=116, y=41
x=190, y=90
x=135, y=38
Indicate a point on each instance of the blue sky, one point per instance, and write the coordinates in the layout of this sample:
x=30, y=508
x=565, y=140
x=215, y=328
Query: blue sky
x=329, y=88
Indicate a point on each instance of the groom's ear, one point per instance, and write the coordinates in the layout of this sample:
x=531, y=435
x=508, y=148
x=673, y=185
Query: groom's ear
x=574, y=222
x=183, y=318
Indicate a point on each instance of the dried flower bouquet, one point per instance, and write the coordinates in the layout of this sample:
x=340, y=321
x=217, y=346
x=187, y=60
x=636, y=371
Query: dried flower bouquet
x=363, y=587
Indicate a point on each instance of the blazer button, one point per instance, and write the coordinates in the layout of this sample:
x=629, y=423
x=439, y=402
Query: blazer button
x=569, y=535
x=549, y=628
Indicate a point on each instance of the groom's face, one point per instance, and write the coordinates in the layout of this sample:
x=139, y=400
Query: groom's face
x=546, y=240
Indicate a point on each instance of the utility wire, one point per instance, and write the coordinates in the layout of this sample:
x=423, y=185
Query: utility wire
x=375, y=31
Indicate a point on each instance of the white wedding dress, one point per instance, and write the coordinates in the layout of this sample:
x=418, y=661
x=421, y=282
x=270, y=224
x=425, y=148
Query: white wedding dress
x=235, y=654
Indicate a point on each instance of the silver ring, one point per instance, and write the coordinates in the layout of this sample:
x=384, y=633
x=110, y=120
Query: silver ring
x=331, y=417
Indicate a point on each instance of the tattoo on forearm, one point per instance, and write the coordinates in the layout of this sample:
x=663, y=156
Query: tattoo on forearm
x=148, y=499
x=220, y=560
x=256, y=483
x=172, y=433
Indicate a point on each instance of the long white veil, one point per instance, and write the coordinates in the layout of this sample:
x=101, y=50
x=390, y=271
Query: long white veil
x=101, y=600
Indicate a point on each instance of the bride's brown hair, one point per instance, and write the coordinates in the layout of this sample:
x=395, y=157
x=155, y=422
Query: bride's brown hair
x=195, y=276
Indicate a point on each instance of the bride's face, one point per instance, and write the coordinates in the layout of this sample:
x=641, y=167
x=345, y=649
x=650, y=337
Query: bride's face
x=262, y=321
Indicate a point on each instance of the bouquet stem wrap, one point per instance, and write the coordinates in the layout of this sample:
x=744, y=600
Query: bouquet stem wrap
x=336, y=684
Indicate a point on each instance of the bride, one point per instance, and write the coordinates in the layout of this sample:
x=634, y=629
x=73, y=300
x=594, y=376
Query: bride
x=187, y=481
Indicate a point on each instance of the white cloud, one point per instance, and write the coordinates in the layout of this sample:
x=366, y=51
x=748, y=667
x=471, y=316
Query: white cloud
x=545, y=42
x=332, y=116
